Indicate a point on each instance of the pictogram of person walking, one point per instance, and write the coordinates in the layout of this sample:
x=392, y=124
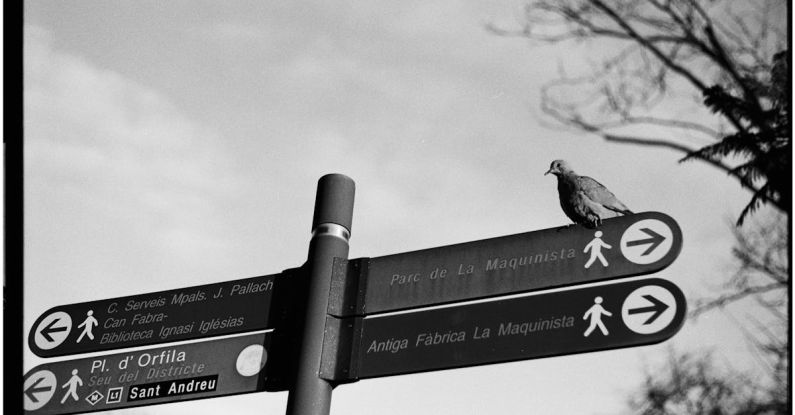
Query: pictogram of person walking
x=72, y=384
x=595, y=246
x=88, y=325
x=595, y=313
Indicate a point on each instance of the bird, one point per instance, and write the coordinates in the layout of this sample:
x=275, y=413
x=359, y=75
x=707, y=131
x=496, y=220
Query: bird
x=584, y=200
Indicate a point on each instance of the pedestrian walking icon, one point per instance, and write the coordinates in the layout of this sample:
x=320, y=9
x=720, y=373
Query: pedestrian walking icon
x=595, y=246
x=595, y=313
x=88, y=325
x=73, y=383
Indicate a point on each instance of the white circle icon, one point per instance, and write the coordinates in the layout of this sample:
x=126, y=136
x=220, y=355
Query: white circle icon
x=251, y=360
x=38, y=389
x=648, y=309
x=52, y=330
x=646, y=241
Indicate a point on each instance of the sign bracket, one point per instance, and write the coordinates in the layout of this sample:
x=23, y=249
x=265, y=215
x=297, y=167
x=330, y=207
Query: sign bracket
x=348, y=287
x=341, y=340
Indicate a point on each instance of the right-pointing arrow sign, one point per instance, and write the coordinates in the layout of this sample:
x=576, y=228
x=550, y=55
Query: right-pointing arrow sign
x=654, y=241
x=653, y=298
x=657, y=308
x=648, y=241
x=552, y=323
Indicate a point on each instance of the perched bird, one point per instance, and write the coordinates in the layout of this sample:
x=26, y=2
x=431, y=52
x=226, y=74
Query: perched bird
x=584, y=200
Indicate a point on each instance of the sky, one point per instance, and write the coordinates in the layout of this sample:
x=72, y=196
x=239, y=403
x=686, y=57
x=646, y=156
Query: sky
x=173, y=144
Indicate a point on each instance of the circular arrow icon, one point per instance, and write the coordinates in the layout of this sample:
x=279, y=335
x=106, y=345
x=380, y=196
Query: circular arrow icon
x=52, y=330
x=646, y=241
x=648, y=309
x=38, y=389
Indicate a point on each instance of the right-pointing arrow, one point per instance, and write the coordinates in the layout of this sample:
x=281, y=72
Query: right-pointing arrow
x=657, y=307
x=653, y=241
x=33, y=389
x=45, y=332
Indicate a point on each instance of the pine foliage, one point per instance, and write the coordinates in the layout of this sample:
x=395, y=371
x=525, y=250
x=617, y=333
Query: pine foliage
x=763, y=143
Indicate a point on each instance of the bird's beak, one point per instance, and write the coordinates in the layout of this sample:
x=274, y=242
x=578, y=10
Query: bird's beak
x=548, y=171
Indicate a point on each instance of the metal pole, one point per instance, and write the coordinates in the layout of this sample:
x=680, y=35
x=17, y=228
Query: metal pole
x=331, y=225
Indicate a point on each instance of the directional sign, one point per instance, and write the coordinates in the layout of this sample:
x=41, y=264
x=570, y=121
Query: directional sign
x=646, y=309
x=625, y=246
x=146, y=377
x=53, y=329
x=201, y=311
x=38, y=389
x=548, y=324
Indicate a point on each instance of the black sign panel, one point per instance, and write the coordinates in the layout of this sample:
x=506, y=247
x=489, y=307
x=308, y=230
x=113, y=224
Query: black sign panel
x=624, y=246
x=147, y=377
x=165, y=316
x=549, y=324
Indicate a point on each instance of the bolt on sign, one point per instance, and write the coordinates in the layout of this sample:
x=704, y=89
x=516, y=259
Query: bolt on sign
x=166, y=316
x=176, y=373
x=558, y=323
x=624, y=246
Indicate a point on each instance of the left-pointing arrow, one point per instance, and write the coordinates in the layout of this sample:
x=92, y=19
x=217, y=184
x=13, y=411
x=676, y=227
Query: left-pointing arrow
x=33, y=389
x=49, y=329
x=658, y=307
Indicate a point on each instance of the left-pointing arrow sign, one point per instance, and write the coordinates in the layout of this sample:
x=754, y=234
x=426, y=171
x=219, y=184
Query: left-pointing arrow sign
x=50, y=329
x=229, y=307
x=38, y=388
x=176, y=373
x=33, y=389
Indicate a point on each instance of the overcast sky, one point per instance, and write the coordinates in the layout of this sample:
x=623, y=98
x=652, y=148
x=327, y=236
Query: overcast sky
x=172, y=144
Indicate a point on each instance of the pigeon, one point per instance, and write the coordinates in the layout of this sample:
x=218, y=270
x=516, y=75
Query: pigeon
x=584, y=200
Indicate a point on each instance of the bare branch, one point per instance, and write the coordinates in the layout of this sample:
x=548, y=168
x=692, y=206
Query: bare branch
x=637, y=37
x=726, y=299
x=663, y=122
x=649, y=142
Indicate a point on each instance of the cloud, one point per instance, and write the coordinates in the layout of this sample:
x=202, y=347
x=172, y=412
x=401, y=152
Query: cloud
x=224, y=32
x=96, y=138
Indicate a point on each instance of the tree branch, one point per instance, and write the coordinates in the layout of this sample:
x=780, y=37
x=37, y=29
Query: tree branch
x=736, y=296
x=650, y=142
x=640, y=39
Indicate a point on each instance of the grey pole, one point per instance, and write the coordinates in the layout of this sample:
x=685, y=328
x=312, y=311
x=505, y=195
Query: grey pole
x=331, y=226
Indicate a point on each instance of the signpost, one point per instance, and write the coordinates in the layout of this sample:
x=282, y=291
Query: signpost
x=604, y=317
x=181, y=372
x=164, y=316
x=327, y=327
x=624, y=246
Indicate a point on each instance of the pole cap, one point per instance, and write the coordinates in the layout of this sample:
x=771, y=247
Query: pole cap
x=334, y=201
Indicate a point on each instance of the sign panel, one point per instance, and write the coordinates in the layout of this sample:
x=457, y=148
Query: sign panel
x=605, y=317
x=159, y=317
x=624, y=246
x=147, y=377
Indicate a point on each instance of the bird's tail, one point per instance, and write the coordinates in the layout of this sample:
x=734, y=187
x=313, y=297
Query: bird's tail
x=620, y=209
